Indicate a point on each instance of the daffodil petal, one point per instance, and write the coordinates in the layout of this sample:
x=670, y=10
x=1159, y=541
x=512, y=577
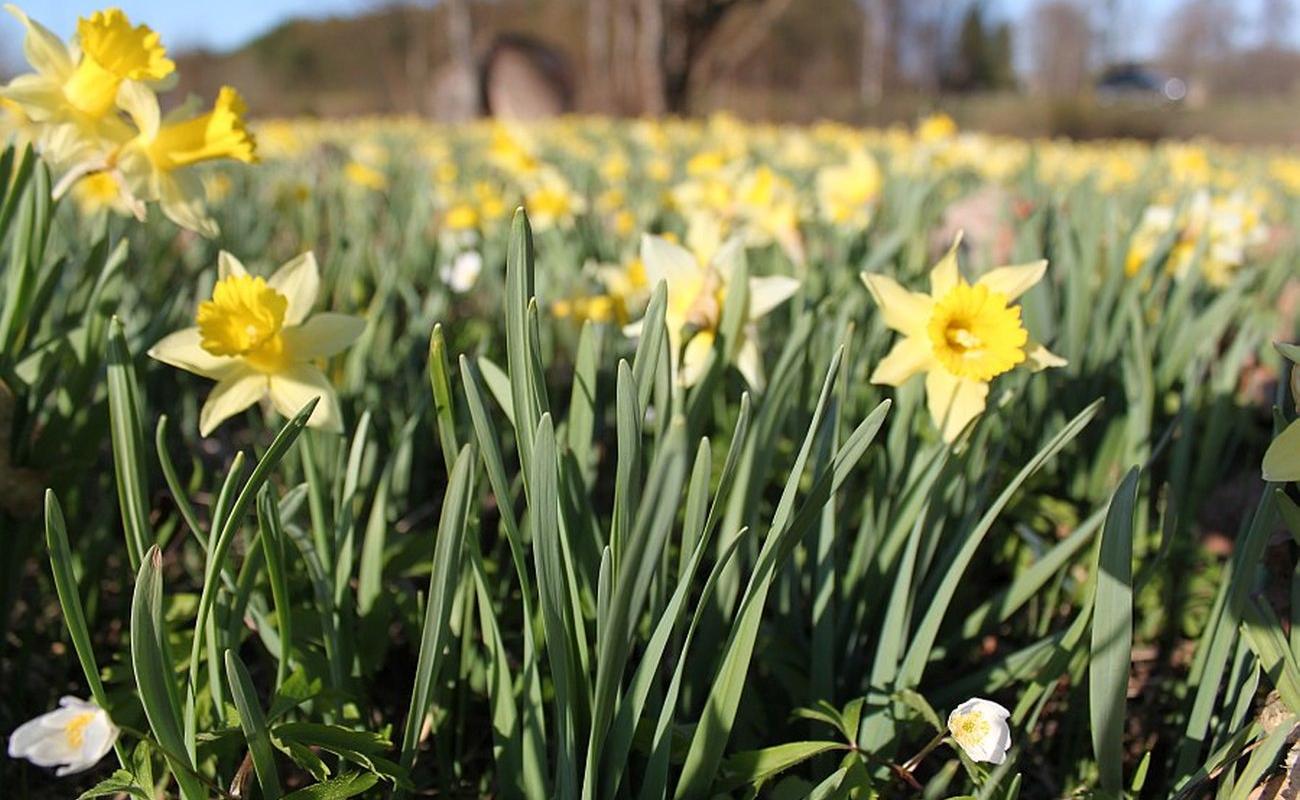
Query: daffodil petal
x=945, y=274
x=141, y=105
x=953, y=401
x=1282, y=460
x=231, y=395
x=695, y=358
x=228, y=266
x=665, y=261
x=44, y=51
x=769, y=292
x=322, y=335
x=180, y=196
x=910, y=356
x=904, y=311
x=749, y=361
x=1015, y=280
x=1039, y=358
x=184, y=350
x=297, y=386
x=299, y=281
x=35, y=94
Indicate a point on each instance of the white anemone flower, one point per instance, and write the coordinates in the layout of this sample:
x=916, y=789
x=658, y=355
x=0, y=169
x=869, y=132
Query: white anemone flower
x=463, y=271
x=73, y=737
x=980, y=728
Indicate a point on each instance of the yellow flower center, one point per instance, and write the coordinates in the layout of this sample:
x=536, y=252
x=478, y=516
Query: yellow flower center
x=75, y=731
x=244, y=319
x=113, y=51
x=970, y=729
x=975, y=333
x=218, y=134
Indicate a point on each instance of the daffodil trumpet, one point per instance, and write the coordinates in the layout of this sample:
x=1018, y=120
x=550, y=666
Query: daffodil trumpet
x=255, y=338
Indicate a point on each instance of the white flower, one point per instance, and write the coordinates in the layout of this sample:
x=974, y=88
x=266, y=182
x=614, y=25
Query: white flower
x=463, y=271
x=980, y=727
x=73, y=737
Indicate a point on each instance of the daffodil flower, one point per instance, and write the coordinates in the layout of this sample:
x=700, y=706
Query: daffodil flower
x=980, y=728
x=1282, y=459
x=73, y=93
x=961, y=336
x=152, y=164
x=255, y=339
x=696, y=296
x=73, y=737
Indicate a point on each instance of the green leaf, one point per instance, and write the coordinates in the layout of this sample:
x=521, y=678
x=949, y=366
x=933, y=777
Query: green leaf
x=344, y=786
x=1112, y=635
x=119, y=783
x=126, y=423
x=253, y=722
x=442, y=590
x=155, y=679
x=756, y=766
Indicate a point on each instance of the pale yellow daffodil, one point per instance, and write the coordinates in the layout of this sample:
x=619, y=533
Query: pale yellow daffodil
x=72, y=96
x=697, y=293
x=961, y=335
x=255, y=339
x=152, y=165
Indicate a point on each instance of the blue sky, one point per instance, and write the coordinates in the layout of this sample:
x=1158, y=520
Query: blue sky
x=223, y=24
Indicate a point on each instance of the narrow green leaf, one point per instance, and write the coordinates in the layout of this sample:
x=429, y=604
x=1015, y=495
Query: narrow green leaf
x=1112, y=635
x=253, y=722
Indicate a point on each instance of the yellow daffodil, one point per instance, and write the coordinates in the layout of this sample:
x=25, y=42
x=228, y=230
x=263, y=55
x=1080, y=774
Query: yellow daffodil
x=1282, y=460
x=153, y=164
x=255, y=339
x=1218, y=230
x=73, y=93
x=697, y=293
x=365, y=176
x=961, y=336
x=845, y=192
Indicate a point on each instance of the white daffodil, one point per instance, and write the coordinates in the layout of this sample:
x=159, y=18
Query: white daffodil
x=255, y=340
x=73, y=737
x=697, y=294
x=463, y=271
x=980, y=728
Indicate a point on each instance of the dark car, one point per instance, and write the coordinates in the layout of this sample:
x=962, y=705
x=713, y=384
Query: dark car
x=1139, y=83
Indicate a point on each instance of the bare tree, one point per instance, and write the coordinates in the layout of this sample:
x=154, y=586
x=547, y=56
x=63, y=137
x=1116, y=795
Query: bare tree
x=1061, y=43
x=1275, y=18
x=598, y=66
x=1199, y=34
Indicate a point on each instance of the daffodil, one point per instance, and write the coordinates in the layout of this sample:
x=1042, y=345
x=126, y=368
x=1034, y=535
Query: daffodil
x=980, y=729
x=1282, y=459
x=256, y=340
x=697, y=293
x=73, y=737
x=73, y=94
x=961, y=336
x=845, y=192
x=153, y=164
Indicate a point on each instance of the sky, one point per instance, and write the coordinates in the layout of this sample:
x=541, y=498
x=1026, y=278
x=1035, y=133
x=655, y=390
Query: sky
x=225, y=24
